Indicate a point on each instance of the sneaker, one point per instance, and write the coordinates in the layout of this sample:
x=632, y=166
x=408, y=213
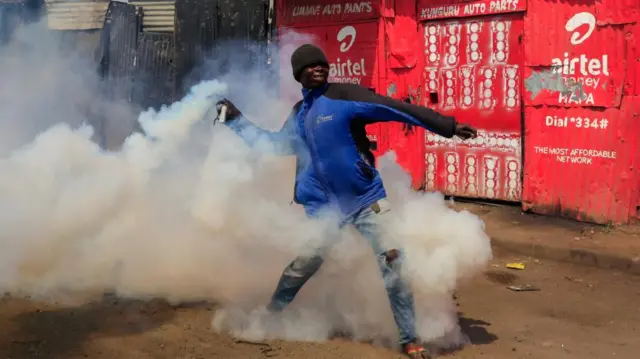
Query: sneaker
x=415, y=351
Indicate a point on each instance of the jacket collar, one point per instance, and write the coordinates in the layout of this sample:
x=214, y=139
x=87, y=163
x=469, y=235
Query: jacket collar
x=316, y=92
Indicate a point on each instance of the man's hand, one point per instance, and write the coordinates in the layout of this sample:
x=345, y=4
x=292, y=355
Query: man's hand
x=465, y=131
x=232, y=110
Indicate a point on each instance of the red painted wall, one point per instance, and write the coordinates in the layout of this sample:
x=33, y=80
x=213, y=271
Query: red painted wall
x=404, y=82
x=552, y=86
x=581, y=120
x=576, y=84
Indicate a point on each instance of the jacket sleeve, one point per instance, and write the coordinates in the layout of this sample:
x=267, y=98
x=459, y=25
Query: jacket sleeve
x=281, y=143
x=373, y=108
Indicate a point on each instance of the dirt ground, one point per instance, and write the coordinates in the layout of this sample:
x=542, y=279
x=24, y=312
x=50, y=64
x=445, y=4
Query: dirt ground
x=510, y=224
x=579, y=312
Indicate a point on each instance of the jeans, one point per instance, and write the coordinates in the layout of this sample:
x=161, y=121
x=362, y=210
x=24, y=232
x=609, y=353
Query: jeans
x=369, y=222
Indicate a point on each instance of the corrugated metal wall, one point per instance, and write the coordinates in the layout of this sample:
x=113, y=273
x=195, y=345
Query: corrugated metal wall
x=242, y=20
x=135, y=44
x=119, y=46
x=590, y=176
x=85, y=43
x=196, y=33
x=576, y=93
x=10, y=18
x=76, y=14
x=581, y=120
x=155, y=73
x=202, y=25
x=158, y=15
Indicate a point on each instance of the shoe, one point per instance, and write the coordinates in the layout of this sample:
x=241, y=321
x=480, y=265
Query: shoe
x=415, y=351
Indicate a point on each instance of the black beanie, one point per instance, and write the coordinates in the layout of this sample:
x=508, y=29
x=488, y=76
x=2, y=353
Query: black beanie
x=306, y=55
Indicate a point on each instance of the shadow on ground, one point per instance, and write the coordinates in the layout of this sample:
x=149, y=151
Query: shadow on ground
x=62, y=332
x=477, y=330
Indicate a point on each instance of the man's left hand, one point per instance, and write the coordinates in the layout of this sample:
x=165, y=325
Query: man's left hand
x=465, y=131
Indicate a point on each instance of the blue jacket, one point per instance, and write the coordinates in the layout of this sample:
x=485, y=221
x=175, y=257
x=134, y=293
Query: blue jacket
x=326, y=131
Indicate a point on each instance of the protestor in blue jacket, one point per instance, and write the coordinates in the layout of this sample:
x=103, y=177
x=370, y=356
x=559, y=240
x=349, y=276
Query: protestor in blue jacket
x=335, y=172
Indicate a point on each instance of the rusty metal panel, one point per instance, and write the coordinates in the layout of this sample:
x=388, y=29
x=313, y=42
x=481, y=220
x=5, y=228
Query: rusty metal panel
x=158, y=15
x=473, y=72
x=120, y=33
x=241, y=26
x=583, y=163
x=155, y=73
x=85, y=43
x=441, y=9
x=242, y=20
x=76, y=14
x=196, y=33
x=572, y=59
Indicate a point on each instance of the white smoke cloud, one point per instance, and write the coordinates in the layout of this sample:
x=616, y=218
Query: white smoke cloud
x=189, y=212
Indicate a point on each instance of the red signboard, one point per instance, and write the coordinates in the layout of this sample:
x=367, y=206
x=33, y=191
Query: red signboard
x=439, y=9
x=581, y=64
x=582, y=163
x=350, y=49
x=314, y=12
x=473, y=72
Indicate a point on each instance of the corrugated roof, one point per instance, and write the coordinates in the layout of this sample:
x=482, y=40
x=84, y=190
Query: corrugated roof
x=159, y=15
x=76, y=14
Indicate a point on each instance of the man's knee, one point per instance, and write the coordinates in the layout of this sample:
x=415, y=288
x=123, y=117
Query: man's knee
x=391, y=261
x=304, y=266
x=391, y=255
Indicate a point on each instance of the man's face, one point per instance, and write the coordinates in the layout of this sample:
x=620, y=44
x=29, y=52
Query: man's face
x=314, y=76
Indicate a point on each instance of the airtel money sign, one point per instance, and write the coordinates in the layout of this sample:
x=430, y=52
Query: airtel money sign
x=351, y=51
x=584, y=65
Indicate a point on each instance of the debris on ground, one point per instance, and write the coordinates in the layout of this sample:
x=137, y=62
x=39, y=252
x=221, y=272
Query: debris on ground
x=265, y=349
x=519, y=266
x=251, y=342
x=523, y=288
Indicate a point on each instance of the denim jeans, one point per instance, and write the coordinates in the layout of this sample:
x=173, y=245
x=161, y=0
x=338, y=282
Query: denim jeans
x=369, y=222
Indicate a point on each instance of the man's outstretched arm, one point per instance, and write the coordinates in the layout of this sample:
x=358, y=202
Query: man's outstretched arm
x=372, y=108
x=281, y=142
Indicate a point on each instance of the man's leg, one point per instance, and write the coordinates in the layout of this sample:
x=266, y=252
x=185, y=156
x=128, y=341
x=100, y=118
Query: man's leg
x=301, y=269
x=295, y=275
x=370, y=223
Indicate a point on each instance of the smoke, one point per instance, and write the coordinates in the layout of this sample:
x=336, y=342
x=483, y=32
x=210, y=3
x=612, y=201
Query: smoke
x=50, y=78
x=188, y=212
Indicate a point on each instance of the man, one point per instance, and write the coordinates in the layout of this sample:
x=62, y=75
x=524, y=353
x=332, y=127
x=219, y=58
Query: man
x=335, y=173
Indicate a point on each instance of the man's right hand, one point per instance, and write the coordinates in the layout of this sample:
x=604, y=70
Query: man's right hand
x=465, y=131
x=232, y=110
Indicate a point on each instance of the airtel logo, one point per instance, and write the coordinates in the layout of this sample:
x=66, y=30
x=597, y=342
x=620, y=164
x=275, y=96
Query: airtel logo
x=347, y=31
x=579, y=19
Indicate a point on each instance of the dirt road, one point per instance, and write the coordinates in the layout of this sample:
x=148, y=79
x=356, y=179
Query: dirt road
x=579, y=312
